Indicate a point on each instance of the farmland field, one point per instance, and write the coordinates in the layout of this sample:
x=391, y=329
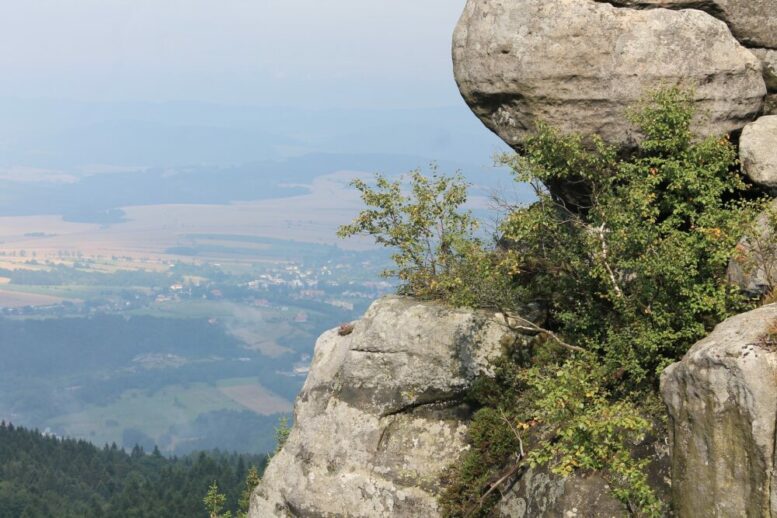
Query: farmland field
x=149, y=233
x=17, y=299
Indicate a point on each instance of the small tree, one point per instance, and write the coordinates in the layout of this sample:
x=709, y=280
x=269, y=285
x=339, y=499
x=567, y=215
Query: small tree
x=622, y=258
x=425, y=229
x=252, y=480
x=282, y=432
x=214, y=503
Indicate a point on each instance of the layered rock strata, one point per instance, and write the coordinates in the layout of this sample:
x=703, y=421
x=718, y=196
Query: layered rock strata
x=753, y=22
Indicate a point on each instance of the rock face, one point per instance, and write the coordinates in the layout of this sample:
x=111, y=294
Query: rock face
x=722, y=400
x=758, y=151
x=579, y=64
x=380, y=415
x=769, y=59
x=753, y=22
x=538, y=494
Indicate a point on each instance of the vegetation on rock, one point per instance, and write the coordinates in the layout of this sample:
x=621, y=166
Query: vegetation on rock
x=620, y=285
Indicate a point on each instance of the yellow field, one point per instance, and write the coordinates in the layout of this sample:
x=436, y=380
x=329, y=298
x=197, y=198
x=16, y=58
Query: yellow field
x=141, y=241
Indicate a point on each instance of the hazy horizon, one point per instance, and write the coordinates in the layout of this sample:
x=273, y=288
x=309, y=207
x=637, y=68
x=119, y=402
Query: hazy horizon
x=301, y=53
x=172, y=176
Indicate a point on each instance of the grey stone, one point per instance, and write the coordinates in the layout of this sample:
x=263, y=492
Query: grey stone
x=380, y=416
x=579, y=65
x=753, y=22
x=769, y=59
x=722, y=401
x=538, y=493
x=758, y=151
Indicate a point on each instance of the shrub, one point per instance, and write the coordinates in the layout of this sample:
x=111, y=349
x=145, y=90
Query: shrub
x=426, y=230
x=624, y=257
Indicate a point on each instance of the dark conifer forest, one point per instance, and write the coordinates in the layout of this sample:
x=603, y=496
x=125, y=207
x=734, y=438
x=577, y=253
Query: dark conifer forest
x=43, y=476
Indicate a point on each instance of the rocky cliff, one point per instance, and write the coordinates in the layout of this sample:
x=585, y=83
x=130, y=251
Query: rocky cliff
x=722, y=401
x=383, y=411
x=381, y=414
x=580, y=64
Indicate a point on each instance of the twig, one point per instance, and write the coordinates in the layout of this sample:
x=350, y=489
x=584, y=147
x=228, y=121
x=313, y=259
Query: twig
x=493, y=488
x=600, y=232
x=515, y=432
x=518, y=464
x=534, y=328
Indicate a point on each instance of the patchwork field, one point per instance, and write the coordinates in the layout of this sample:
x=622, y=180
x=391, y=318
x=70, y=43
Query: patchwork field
x=254, y=397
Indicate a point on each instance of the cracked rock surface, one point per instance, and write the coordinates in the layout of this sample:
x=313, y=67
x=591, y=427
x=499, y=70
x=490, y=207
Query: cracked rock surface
x=579, y=65
x=380, y=415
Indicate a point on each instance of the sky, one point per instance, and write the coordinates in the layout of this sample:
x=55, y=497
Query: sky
x=302, y=53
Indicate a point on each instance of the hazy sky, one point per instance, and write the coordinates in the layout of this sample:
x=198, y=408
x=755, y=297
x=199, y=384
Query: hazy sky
x=311, y=53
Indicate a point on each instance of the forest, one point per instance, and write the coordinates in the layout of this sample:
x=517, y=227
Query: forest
x=44, y=476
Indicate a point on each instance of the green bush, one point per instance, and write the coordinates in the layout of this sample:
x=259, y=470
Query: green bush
x=426, y=230
x=624, y=257
x=638, y=274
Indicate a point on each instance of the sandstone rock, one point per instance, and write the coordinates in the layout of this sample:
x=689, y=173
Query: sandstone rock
x=585, y=495
x=769, y=59
x=540, y=494
x=753, y=22
x=758, y=151
x=722, y=400
x=380, y=415
x=578, y=65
